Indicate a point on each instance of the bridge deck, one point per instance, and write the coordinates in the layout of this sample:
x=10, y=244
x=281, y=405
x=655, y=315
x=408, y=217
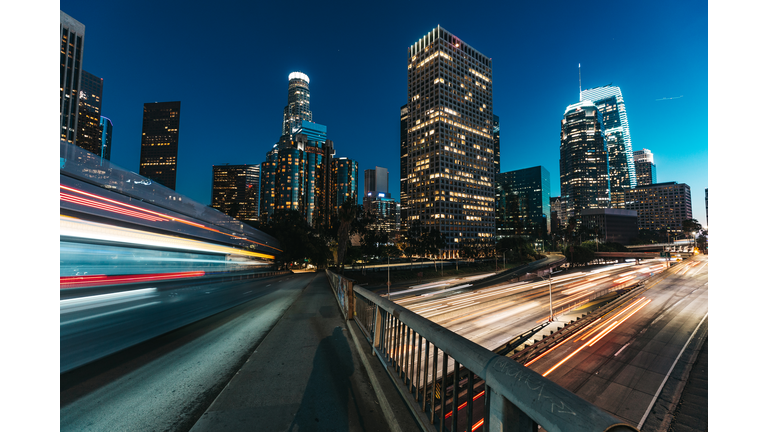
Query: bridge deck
x=307, y=374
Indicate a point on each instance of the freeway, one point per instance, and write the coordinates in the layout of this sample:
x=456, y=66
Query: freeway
x=491, y=316
x=621, y=362
x=167, y=382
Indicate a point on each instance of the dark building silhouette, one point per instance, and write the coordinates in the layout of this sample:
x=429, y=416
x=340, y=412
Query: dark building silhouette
x=105, y=130
x=611, y=225
x=235, y=191
x=160, y=142
x=72, y=36
x=496, y=144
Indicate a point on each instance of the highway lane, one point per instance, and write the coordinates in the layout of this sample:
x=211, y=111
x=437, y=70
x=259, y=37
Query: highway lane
x=167, y=382
x=492, y=316
x=621, y=362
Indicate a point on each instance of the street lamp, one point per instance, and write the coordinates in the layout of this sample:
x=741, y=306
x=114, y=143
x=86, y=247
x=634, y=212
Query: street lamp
x=551, y=314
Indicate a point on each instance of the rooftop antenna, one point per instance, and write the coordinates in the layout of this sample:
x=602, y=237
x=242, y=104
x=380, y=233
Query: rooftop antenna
x=579, y=82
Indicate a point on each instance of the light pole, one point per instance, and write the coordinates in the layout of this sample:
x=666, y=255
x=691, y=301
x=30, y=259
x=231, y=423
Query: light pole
x=551, y=314
x=388, y=277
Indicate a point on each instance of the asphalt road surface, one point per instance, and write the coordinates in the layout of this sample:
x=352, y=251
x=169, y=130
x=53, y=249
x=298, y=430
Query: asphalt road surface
x=166, y=383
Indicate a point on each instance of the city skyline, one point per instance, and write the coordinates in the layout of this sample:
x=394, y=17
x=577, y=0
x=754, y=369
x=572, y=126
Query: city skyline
x=669, y=61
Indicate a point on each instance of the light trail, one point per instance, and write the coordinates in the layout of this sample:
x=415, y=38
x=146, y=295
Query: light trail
x=596, y=338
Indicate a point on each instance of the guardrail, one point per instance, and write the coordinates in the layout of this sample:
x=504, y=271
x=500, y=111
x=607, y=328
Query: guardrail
x=416, y=351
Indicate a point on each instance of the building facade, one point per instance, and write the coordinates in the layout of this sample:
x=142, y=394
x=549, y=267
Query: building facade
x=555, y=213
x=609, y=100
x=448, y=160
x=72, y=36
x=584, y=177
x=105, y=130
x=496, y=144
x=345, y=184
x=235, y=191
x=645, y=168
x=89, y=113
x=523, y=203
x=160, y=142
x=661, y=206
x=377, y=200
x=611, y=225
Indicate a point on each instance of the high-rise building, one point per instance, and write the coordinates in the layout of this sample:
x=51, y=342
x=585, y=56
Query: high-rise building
x=496, y=144
x=522, y=203
x=609, y=100
x=376, y=180
x=377, y=200
x=449, y=156
x=72, y=36
x=584, y=179
x=404, y=115
x=235, y=191
x=105, y=130
x=160, y=142
x=89, y=113
x=345, y=185
x=555, y=214
x=300, y=172
x=645, y=169
x=611, y=225
x=661, y=206
x=297, y=109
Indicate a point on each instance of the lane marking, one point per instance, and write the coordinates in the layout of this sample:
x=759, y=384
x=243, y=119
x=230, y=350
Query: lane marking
x=656, y=396
x=622, y=349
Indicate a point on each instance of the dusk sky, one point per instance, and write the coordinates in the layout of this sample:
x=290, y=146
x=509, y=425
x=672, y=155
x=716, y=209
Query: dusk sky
x=228, y=64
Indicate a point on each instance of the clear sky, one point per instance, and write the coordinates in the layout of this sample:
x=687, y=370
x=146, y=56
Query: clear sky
x=228, y=64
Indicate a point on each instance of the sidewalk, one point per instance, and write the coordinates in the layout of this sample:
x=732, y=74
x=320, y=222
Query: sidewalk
x=307, y=374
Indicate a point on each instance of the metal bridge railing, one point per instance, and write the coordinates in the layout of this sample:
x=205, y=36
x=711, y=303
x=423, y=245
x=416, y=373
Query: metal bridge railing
x=445, y=373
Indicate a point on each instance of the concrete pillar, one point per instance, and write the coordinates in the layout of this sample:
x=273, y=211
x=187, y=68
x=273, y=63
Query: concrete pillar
x=505, y=417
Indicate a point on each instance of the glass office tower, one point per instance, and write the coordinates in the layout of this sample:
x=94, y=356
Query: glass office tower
x=449, y=154
x=584, y=178
x=523, y=203
x=610, y=102
x=105, y=128
x=160, y=142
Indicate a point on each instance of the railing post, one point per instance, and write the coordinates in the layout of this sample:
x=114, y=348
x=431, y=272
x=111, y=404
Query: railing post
x=377, y=330
x=350, y=294
x=506, y=417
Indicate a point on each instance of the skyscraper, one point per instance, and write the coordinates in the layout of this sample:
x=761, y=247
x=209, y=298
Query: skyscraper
x=645, y=169
x=610, y=102
x=496, y=144
x=235, y=191
x=661, y=206
x=377, y=199
x=345, y=185
x=522, y=203
x=105, y=129
x=160, y=142
x=449, y=155
x=297, y=109
x=72, y=36
x=404, y=115
x=584, y=179
x=89, y=113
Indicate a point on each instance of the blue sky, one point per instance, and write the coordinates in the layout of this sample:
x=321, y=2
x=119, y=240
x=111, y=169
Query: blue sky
x=228, y=64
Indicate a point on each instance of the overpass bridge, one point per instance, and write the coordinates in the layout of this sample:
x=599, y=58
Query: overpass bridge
x=150, y=281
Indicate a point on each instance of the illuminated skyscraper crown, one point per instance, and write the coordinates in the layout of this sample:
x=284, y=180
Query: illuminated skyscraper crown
x=298, y=103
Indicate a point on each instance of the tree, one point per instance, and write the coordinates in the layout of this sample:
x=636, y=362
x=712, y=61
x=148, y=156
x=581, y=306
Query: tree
x=298, y=241
x=347, y=214
x=578, y=255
